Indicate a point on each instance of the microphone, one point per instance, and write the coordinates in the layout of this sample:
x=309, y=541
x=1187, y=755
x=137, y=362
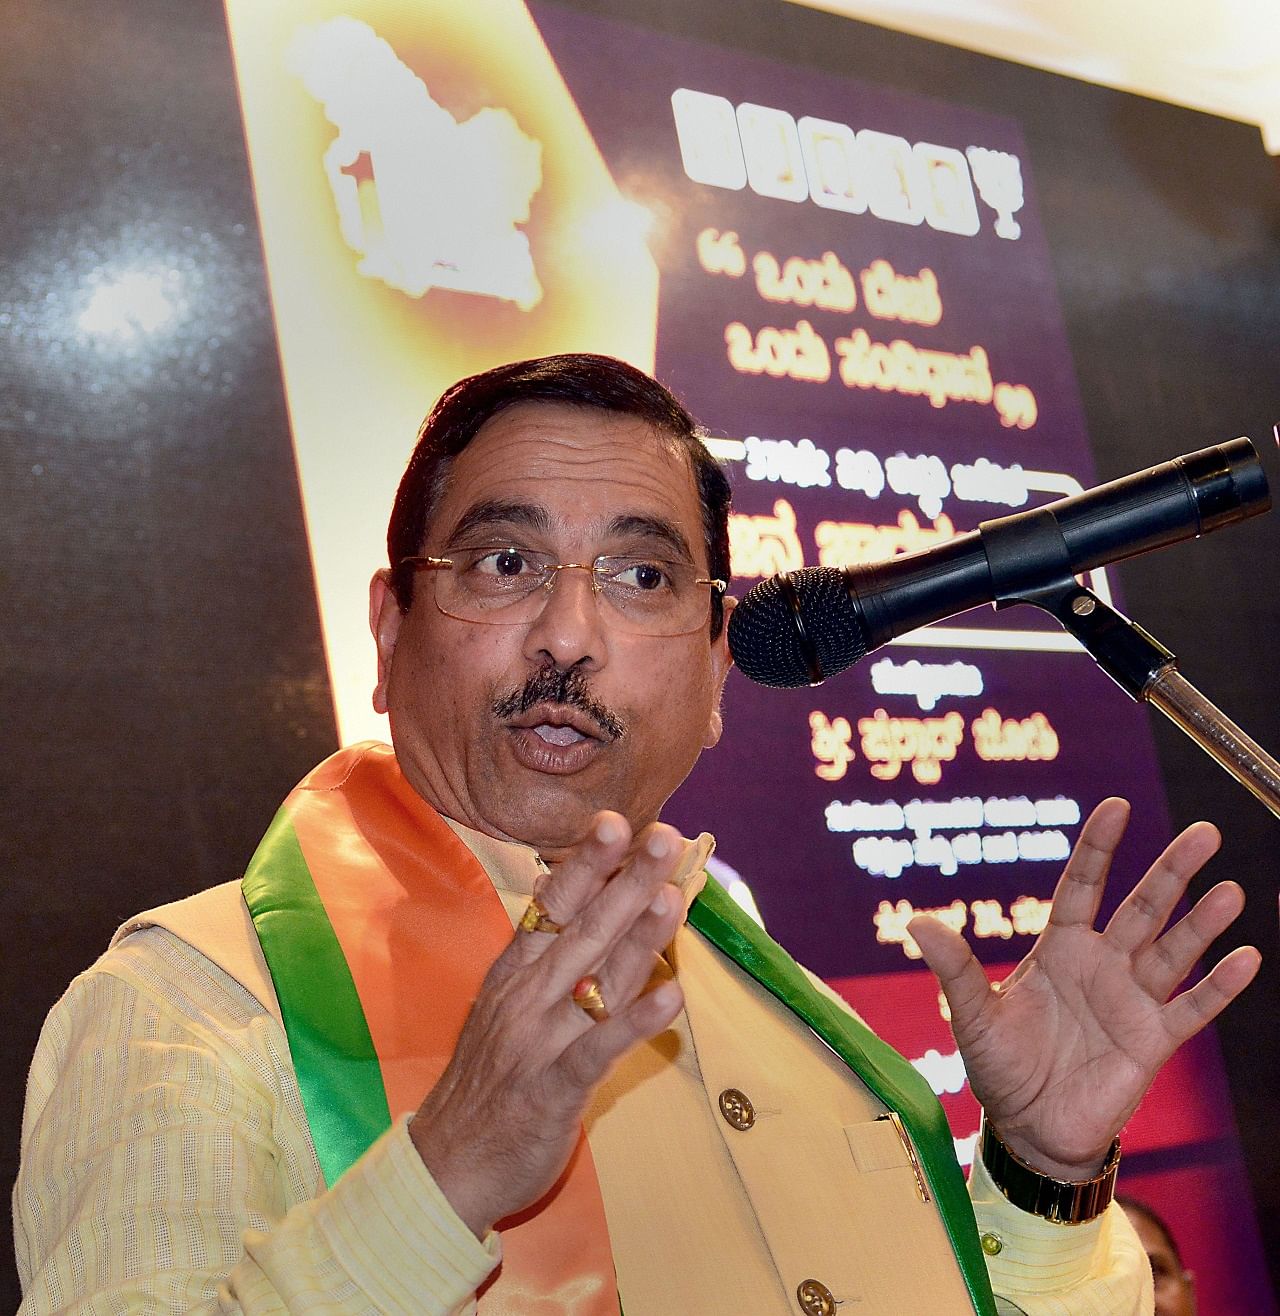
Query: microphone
x=803, y=626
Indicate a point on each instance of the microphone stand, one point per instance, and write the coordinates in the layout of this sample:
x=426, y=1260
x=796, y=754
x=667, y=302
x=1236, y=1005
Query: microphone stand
x=1147, y=671
x=1030, y=563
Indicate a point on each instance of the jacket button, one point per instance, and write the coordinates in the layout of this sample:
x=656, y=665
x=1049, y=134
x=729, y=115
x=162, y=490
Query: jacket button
x=815, y=1299
x=737, y=1108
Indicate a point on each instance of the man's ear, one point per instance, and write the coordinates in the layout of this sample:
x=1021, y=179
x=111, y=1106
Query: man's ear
x=721, y=661
x=385, y=617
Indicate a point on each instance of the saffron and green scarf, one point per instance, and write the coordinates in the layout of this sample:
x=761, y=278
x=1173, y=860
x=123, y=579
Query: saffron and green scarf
x=378, y=925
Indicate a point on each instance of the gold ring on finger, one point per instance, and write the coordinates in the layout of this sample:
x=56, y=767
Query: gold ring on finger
x=534, y=918
x=587, y=997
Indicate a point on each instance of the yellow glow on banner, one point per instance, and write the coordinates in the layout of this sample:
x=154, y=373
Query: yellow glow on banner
x=431, y=204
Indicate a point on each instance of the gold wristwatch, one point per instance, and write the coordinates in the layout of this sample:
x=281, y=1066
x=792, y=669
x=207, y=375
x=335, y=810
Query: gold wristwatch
x=1064, y=1201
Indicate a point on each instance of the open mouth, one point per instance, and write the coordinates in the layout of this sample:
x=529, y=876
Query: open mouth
x=558, y=724
x=557, y=735
x=556, y=738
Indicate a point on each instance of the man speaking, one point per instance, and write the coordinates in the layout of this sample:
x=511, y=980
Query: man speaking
x=476, y=1030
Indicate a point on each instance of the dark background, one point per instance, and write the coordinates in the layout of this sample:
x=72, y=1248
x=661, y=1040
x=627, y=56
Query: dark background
x=162, y=679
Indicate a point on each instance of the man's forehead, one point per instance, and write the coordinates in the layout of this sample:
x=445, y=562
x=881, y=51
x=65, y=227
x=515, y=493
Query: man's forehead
x=560, y=424
x=604, y=462
x=1151, y=1234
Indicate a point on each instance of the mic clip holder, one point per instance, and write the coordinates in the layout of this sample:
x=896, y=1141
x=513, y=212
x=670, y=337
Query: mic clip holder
x=1030, y=563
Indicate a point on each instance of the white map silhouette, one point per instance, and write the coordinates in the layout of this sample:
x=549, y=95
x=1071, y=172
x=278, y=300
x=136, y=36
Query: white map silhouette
x=425, y=201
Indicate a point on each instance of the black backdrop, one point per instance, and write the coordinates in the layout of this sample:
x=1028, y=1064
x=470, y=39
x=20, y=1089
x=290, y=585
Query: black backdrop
x=162, y=681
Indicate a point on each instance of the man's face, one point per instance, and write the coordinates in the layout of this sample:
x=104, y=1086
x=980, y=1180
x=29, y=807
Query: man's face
x=525, y=731
x=1175, y=1293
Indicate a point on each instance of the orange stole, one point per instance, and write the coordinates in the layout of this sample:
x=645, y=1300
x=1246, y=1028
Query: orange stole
x=419, y=924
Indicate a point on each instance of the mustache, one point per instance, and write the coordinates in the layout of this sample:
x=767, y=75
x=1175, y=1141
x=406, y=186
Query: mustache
x=569, y=688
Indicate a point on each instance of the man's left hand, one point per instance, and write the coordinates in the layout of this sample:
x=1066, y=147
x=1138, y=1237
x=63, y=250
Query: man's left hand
x=1062, y=1052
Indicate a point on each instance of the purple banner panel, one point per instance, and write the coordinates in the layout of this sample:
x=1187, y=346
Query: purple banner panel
x=856, y=296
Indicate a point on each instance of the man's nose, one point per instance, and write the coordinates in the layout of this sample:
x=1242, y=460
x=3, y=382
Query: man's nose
x=570, y=629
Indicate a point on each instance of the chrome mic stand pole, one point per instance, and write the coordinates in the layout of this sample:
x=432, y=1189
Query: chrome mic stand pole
x=1148, y=672
x=1217, y=735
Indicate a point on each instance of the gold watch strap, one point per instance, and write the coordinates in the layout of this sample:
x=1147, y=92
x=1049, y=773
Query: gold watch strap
x=1063, y=1201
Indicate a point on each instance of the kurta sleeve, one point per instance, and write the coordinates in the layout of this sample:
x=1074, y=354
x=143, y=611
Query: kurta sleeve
x=167, y=1166
x=1044, y=1269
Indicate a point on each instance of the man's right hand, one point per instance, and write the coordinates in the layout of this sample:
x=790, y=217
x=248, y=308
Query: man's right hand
x=498, y=1129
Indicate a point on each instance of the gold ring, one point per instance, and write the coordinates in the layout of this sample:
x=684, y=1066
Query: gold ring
x=534, y=918
x=586, y=995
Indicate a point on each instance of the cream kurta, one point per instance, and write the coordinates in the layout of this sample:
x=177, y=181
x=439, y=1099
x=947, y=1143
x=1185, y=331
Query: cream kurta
x=164, y=1120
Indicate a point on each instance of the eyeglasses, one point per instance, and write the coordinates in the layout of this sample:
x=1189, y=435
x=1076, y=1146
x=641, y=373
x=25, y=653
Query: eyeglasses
x=503, y=585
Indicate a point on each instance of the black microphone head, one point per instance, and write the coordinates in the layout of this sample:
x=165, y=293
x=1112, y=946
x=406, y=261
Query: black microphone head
x=797, y=629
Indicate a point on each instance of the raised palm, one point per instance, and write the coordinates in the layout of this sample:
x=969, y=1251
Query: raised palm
x=1060, y=1055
